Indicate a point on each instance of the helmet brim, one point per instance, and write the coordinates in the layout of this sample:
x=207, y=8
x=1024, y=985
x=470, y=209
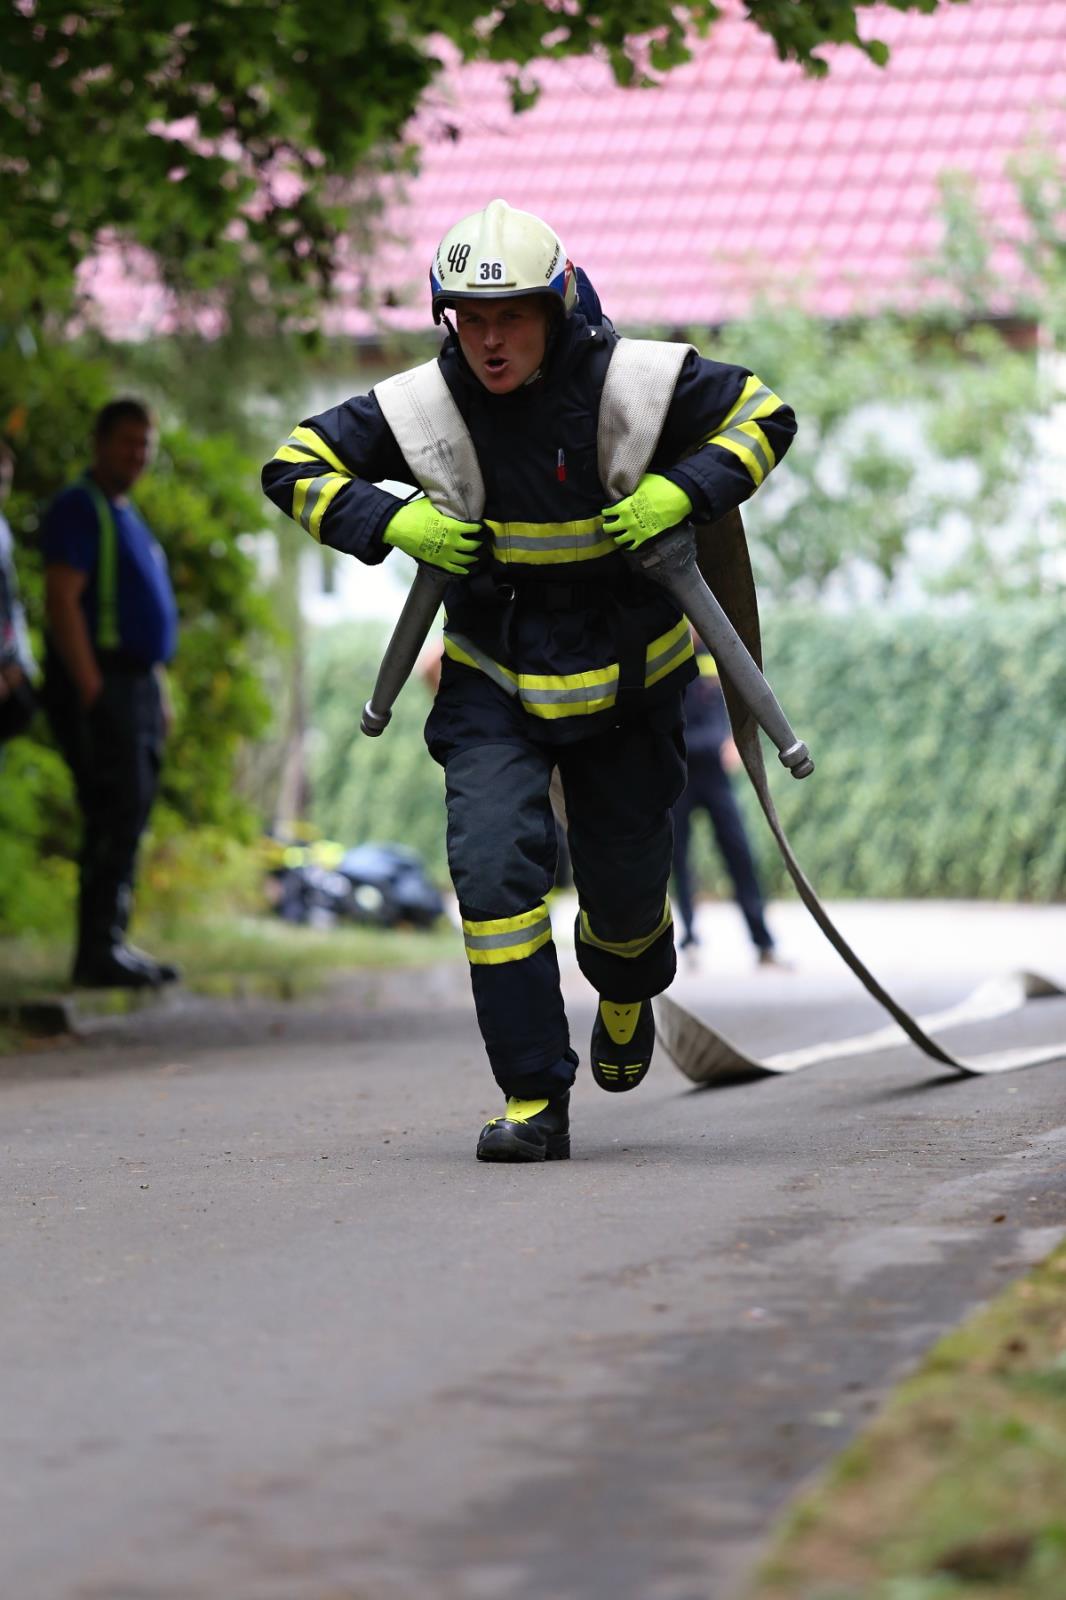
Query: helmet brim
x=447, y=300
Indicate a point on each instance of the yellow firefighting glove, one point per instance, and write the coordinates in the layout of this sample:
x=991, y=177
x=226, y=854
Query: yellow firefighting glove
x=655, y=505
x=420, y=530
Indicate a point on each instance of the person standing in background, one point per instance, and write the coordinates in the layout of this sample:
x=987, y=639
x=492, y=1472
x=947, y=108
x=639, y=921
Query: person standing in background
x=711, y=756
x=111, y=627
x=17, y=699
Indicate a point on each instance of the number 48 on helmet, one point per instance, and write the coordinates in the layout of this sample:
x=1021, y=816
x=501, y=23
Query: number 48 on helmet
x=500, y=253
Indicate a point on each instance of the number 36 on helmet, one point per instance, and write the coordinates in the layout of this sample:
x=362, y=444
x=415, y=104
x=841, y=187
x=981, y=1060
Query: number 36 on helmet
x=499, y=253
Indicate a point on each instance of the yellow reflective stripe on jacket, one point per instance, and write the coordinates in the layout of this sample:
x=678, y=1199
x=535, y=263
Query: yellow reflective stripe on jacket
x=469, y=655
x=755, y=453
x=547, y=543
x=739, y=431
x=291, y=452
x=311, y=498
x=307, y=439
x=573, y=693
x=708, y=665
x=629, y=949
x=500, y=939
x=666, y=653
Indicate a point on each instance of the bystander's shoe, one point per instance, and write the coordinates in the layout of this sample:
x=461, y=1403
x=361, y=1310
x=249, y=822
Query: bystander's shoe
x=768, y=957
x=623, y=1038
x=116, y=967
x=165, y=972
x=529, y=1130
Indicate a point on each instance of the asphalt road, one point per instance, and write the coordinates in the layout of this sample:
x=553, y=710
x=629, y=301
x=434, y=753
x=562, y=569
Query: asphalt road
x=270, y=1333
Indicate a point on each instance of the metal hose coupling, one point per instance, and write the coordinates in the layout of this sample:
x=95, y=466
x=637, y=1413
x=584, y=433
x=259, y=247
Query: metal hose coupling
x=401, y=653
x=797, y=759
x=671, y=561
x=373, y=723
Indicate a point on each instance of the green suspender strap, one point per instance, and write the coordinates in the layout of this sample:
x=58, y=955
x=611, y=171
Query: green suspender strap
x=107, y=636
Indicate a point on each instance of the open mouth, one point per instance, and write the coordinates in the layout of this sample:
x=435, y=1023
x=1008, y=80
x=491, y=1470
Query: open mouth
x=495, y=365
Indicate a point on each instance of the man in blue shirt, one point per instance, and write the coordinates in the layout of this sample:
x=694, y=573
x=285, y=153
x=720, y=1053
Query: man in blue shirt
x=111, y=627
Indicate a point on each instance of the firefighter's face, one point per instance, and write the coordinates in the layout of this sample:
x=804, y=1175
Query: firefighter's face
x=123, y=453
x=503, y=340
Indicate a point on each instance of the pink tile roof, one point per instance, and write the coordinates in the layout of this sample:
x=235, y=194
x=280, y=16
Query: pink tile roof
x=738, y=172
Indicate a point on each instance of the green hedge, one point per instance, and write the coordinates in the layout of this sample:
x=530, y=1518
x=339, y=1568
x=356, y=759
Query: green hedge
x=940, y=745
x=940, y=750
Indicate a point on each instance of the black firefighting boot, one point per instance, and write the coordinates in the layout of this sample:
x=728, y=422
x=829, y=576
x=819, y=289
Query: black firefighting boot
x=158, y=971
x=112, y=967
x=529, y=1130
x=102, y=961
x=623, y=1038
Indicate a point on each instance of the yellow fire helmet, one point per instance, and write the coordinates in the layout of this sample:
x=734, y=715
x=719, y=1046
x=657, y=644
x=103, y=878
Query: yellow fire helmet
x=498, y=253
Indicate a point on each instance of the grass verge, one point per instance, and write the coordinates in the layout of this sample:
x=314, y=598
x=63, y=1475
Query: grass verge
x=957, y=1491
x=242, y=955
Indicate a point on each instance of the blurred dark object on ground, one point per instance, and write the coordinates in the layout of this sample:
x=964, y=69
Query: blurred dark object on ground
x=377, y=885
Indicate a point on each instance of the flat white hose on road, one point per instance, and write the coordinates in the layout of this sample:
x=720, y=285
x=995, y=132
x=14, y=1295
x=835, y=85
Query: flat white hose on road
x=641, y=377
x=701, y=1053
x=706, y=1056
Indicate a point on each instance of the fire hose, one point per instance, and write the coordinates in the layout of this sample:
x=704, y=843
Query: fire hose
x=704, y=1055
x=708, y=573
x=669, y=561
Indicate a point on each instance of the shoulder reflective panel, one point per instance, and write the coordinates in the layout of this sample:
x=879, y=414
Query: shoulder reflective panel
x=636, y=396
x=107, y=636
x=434, y=440
x=436, y=444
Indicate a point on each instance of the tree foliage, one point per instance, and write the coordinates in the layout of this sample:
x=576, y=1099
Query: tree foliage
x=226, y=138
x=929, y=452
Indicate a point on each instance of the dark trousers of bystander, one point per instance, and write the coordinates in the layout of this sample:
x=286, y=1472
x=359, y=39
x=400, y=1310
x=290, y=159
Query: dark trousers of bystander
x=114, y=752
x=710, y=790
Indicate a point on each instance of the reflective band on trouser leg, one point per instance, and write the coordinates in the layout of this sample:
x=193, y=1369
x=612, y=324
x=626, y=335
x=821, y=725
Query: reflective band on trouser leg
x=514, y=974
x=501, y=852
x=493, y=942
x=628, y=949
x=626, y=970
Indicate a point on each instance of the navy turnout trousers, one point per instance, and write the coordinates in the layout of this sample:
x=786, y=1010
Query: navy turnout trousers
x=619, y=787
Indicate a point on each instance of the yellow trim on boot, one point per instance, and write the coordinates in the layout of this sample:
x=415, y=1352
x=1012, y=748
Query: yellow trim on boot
x=620, y=1020
x=519, y=1111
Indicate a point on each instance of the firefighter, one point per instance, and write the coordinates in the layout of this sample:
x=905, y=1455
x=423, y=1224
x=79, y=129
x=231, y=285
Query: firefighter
x=556, y=655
